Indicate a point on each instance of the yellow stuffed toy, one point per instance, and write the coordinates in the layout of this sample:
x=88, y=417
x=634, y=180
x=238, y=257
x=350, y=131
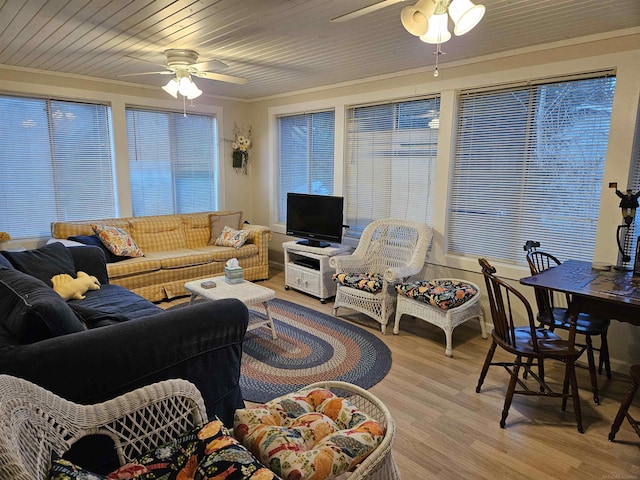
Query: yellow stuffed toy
x=68, y=287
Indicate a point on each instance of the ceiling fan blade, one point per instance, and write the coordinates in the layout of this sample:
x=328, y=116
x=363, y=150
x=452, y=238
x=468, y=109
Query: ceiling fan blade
x=163, y=72
x=365, y=10
x=221, y=77
x=210, y=65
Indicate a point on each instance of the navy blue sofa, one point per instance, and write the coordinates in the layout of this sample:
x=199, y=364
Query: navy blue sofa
x=112, y=341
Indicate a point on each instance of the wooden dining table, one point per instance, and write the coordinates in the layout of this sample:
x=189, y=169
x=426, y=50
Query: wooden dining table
x=608, y=293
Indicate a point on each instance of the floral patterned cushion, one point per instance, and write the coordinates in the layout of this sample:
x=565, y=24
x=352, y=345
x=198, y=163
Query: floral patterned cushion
x=444, y=294
x=207, y=452
x=117, y=241
x=232, y=238
x=311, y=434
x=368, y=282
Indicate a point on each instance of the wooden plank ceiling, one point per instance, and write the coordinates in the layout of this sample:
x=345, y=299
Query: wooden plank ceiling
x=280, y=46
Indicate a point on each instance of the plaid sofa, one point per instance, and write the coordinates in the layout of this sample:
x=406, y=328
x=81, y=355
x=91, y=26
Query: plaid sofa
x=176, y=250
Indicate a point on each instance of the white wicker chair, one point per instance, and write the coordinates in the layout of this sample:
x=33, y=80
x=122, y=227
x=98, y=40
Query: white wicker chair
x=380, y=465
x=34, y=422
x=395, y=248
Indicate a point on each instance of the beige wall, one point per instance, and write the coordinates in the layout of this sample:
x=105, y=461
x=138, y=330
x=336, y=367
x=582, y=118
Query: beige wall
x=254, y=193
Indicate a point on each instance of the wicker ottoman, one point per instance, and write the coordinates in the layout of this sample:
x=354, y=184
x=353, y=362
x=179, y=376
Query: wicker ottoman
x=447, y=319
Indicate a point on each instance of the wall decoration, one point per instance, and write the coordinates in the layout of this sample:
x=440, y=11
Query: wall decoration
x=241, y=145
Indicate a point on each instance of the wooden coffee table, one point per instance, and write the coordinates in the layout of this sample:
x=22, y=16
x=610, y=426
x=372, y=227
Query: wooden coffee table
x=247, y=292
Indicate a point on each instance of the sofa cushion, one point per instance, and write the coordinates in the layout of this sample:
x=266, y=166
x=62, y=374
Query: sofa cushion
x=222, y=254
x=4, y=262
x=220, y=220
x=134, y=266
x=231, y=237
x=158, y=234
x=44, y=262
x=117, y=241
x=112, y=304
x=31, y=311
x=95, y=240
x=181, y=258
x=197, y=229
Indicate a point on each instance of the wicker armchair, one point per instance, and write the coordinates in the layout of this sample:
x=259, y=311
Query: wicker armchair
x=380, y=465
x=395, y=248
x=34, y=422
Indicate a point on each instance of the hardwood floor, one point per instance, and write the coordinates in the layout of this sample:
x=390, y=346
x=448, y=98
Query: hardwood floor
x=445, y=430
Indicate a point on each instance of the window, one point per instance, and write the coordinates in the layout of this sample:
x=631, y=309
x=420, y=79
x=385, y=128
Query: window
x=173, y=162
x=305, y=152
x=529, y=162
x=56, y=164
x=390, y=162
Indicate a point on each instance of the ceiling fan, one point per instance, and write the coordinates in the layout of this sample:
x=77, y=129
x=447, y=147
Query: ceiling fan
x=182, y=64
x=365, y=10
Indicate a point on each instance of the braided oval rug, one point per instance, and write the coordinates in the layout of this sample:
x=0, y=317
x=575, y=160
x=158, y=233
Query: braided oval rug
x=311, y=347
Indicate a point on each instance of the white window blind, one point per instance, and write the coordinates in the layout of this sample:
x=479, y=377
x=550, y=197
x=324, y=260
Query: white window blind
x=305, y=153
x=391, y=162
x=528, y=165
x=56, y=164
x=173, y=162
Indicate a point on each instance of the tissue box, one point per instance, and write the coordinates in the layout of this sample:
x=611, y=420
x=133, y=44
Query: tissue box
x=233, y=275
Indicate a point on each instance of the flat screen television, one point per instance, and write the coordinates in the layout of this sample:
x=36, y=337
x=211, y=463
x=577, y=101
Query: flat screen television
x=316, y=219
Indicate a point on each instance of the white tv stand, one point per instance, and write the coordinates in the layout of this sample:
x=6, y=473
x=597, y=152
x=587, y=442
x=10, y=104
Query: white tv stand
x=307, y=268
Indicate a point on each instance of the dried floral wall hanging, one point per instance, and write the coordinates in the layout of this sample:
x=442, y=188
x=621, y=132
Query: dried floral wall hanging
x=241, y=146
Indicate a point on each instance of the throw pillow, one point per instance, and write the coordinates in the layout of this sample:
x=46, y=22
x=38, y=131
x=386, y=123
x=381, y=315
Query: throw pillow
x=31, y=311
x=95, y=240
x=207, y=452
x=232, y=238
x=117, y=241
x=219, y=221
x=43, y=262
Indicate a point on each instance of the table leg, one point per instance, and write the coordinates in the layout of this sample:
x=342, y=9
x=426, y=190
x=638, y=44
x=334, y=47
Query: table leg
x=193, y=298
x=270, y=320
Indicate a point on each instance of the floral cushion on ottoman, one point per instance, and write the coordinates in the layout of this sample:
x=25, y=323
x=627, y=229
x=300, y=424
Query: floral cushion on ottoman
x=312, y=434
x=367, y=282
x=206, y=452
x=444, y=294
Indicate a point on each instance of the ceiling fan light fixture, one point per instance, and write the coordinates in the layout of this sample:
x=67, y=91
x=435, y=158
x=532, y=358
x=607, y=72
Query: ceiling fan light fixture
x=438, y=30
x=171, y=88
x=194, y=93
x=465, y=15
x=415, y=18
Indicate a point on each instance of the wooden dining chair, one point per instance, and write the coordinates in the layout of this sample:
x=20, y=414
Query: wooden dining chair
x=530, y=345
x=623, y=412
x=552, y=315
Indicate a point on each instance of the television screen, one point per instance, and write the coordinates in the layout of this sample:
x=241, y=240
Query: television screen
x=315, y=218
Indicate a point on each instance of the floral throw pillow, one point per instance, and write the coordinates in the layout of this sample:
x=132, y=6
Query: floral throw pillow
x=117, y=241
x=207, y=452
x=232, y=238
